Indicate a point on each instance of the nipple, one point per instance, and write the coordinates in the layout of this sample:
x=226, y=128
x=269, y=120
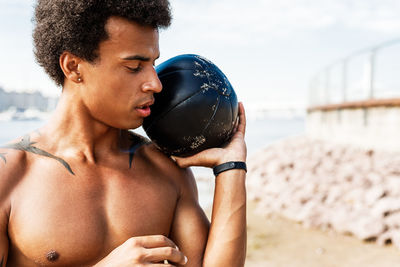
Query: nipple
x=52, y=255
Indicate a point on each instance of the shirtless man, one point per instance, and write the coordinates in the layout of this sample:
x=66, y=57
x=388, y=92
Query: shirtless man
x=83, y=190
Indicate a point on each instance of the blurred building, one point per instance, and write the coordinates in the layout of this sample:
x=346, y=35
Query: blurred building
x=23, y=101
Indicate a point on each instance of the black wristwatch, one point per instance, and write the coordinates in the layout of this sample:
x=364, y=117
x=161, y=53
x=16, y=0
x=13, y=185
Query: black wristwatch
x=229, y=166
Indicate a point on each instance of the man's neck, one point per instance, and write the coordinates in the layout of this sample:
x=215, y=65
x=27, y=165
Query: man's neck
x=74, y=131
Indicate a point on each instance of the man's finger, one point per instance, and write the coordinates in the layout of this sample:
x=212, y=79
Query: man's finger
x=165, y=253
x=235, y=128
x=152, y=241
x=200, y=159
x=242, y=119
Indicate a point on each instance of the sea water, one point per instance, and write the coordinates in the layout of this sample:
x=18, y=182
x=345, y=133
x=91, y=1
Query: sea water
x=259, y=134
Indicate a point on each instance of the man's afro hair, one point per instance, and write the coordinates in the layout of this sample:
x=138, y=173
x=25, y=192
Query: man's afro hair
x=78, y=27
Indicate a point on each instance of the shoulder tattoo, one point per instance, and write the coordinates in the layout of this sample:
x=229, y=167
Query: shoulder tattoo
x=26, y=145
x=136, y=142
x=3, y=157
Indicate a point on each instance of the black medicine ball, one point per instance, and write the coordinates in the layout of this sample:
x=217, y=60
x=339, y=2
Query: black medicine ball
x=197, y=108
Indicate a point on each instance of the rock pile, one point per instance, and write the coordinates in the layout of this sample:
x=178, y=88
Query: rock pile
x=328, y=186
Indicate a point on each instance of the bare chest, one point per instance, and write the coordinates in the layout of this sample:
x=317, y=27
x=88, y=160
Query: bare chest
x=76, y=220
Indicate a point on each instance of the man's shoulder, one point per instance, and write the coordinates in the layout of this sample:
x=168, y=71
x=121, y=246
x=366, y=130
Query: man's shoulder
x=12, y=167
x=12, y=156
x=165, y=165
x=157, y=159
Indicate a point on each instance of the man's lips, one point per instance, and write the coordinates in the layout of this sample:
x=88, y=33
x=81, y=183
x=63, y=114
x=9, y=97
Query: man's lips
x=144, y=109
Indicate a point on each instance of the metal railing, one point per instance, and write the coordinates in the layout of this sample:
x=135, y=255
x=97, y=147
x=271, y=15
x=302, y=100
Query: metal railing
x=372, y=73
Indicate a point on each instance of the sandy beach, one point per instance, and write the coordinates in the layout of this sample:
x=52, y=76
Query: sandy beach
x=277, y=242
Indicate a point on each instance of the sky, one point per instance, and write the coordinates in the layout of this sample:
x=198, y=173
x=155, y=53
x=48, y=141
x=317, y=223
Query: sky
x=268, y=49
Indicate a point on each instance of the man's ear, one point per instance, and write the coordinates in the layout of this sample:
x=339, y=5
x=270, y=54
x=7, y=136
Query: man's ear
x=70, y=65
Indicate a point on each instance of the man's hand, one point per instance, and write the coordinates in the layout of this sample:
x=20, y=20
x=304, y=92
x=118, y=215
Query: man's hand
x=234, y=151
x=144, y=251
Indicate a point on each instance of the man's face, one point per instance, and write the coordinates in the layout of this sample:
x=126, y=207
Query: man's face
x=119, y=86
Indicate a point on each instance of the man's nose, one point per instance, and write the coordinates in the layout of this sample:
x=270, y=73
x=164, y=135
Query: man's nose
x=153, y=83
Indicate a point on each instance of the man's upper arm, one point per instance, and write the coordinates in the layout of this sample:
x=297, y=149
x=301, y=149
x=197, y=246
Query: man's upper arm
x=12, y=166
x=3, y=238
x=190, y=226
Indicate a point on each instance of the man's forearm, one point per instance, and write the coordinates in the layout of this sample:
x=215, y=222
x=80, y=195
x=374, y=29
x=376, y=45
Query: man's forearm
x=226, y=245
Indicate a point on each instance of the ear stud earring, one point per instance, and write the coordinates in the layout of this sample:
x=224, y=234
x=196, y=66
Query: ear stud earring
x=79, y=79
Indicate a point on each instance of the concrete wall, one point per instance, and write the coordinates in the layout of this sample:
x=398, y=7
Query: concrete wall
x=375, y=127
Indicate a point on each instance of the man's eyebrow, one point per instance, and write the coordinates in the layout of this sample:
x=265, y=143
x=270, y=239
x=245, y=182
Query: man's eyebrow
x=138, y=57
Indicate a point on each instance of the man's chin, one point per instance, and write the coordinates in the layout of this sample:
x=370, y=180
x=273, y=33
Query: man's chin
x=130, y=125
x=134, y=125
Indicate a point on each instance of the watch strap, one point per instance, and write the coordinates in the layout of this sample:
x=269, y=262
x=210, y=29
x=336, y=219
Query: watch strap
x=229, y=166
